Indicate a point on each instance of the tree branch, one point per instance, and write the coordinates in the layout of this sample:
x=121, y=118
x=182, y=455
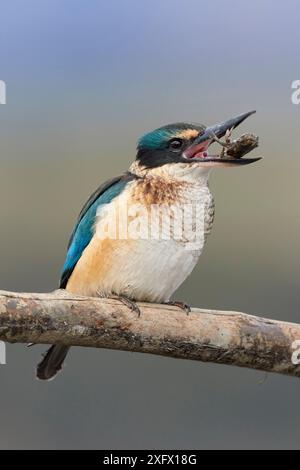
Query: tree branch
x=205, y=335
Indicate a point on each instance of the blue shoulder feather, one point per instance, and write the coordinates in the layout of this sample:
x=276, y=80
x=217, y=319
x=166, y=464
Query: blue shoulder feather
x=84, y=230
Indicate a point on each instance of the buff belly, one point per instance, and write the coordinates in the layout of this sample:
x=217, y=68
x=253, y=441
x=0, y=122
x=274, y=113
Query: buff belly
x=145, y=270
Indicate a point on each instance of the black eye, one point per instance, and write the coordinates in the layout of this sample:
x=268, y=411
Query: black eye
x=175, y=144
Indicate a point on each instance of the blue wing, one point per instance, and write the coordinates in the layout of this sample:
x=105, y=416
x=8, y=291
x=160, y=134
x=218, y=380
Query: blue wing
x=83, y=232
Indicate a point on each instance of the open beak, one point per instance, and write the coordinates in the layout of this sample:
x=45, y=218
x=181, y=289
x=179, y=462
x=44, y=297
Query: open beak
x=198, y=150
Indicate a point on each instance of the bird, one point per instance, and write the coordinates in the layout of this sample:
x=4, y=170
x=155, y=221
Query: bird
x=171, y=169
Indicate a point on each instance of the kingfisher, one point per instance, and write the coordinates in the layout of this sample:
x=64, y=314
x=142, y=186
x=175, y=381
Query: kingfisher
x=171, y=168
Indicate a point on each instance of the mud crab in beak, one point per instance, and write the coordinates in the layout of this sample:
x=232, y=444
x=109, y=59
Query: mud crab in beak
x=232, y=152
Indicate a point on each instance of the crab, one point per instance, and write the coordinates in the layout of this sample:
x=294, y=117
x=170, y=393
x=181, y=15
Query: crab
x=236, y=148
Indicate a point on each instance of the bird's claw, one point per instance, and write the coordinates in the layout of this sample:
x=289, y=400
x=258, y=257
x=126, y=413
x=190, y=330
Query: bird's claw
x=130, y=304
x=125, y=300
x=182, y=305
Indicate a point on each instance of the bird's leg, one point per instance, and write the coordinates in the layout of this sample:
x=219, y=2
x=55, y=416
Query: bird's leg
x=223, y=152
x=124, y=299
x=225, y=144
x=216, y=139
x=228, y=135
x=182, y=305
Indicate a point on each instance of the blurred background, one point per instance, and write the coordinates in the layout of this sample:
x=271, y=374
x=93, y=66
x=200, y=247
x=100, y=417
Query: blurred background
x=84, y=81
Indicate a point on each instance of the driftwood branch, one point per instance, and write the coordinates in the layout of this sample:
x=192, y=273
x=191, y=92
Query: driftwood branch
x=205, y=335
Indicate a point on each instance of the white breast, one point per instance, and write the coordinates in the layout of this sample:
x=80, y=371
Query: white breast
x=150, y=269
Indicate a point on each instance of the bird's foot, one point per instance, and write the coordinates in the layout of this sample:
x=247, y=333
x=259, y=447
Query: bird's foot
x=125, y=300
x=183, y=306
x=129, y=303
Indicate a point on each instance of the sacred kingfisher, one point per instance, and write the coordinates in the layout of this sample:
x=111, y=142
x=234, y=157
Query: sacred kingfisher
x=171, y=168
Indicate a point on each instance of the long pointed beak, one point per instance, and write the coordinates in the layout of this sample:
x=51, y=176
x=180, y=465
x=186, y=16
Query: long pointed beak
x=198, y=150
x=220, y=129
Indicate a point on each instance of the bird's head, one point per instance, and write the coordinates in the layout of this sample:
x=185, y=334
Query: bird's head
x=186, y=145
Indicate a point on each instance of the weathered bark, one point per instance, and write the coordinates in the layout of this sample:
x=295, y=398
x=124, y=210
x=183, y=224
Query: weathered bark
x=204, y=335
